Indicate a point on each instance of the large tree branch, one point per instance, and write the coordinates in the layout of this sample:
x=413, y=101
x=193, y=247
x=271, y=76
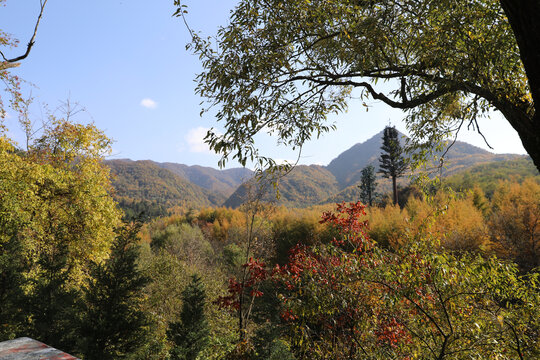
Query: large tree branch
x=32, y=39
x=515, y=113
x=404, y=104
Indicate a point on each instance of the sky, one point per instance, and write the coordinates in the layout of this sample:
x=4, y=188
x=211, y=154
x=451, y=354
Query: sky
x=125, y=63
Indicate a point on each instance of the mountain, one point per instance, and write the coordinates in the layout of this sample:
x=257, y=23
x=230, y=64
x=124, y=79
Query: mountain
x=170, y=184
x=347, y=167
x=339, y=180
x=488, y=175
x=136, y=181
x=224, y=182
x=303, y=186
x=462, y=156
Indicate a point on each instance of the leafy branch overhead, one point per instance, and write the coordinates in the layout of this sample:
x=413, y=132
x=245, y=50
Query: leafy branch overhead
x=286, y=65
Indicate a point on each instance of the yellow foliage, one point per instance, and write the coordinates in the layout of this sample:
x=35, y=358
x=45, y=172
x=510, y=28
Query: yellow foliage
x=515, y=222
x=56, y=197
x=388, y=226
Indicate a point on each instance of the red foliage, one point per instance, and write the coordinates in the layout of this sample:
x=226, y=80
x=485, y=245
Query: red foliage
x=332, y=270
x=347, y=219
x=392, y=332
x=256, y=273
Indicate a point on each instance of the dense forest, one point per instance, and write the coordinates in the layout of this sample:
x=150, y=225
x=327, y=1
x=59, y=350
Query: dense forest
x=451, y=271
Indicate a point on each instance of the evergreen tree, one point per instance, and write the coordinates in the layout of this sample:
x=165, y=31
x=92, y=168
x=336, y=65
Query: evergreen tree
x=113, y=325
x=190, y=334
x=392, y=163
x=12, y=282
x=368, y=185
x=51, y=307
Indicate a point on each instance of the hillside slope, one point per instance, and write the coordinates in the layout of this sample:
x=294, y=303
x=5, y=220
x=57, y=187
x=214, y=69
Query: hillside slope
x=224, y=182
x=144, y=180
x=347, y=166
x=303, y=186
x=487, y=176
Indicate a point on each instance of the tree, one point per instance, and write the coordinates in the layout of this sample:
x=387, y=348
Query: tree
x=52, y=305
x=56, y=215
x=515, y=223
x=368, y=185
x=113, y=324
x=57, y=195
x=351, y=299
x=190, y=334
x=285, y=65
x=12, y=269
x=13, y=61
x=392, y=163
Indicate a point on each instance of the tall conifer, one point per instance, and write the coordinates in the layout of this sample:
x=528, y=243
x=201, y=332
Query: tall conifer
x=368, y=185
x=392, y=164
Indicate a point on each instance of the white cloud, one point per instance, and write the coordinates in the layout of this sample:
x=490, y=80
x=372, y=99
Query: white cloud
x=195, y=140
x=148, y=103
x=284, y=161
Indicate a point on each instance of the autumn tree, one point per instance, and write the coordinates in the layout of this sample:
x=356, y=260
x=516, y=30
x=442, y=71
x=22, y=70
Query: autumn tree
x=285, y=65
x=392, y=163
x=368, y=185
x=56, y=215
x=515, y=223
x=353, y=300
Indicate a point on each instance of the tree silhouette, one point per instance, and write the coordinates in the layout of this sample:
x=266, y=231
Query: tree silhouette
x=368, y=185
x=113, y=325
x=190, y=334
x=392, y=163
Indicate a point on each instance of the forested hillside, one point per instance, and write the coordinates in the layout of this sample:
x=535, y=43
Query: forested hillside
x=347, y=166
x=339, y=180
x=152, y=187
x=144, y=181
x=487, y=176
x=223, y=182
x=303, y=186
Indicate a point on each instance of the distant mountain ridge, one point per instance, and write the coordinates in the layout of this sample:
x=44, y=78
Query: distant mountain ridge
x=221, y=181
x=347, y=167
x=144, y=180
x=201, y=186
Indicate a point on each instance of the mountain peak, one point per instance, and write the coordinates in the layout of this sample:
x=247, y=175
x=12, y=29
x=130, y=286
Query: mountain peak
x=349, y=164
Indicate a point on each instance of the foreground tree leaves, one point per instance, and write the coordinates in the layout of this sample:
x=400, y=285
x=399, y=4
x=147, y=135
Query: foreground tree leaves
x=351, y=299
x=56, y=216
x=57, y=194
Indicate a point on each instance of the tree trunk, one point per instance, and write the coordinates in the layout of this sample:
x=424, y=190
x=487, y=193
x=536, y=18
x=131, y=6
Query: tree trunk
x=394, y=188
x=523, y=17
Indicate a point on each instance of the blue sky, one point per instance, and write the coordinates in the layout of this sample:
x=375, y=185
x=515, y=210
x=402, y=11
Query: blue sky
x=125, y=62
